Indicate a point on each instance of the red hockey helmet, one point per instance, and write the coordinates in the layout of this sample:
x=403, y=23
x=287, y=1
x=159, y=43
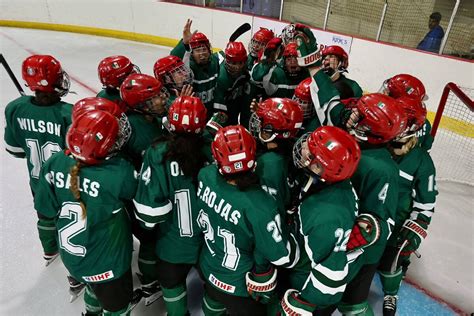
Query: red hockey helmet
x=94, y=103
x=259, y=40
x=279, y=117
x=44, y=73
x=303, y=97
x=90, y=104
x=381, y=119
x=138, y=91
x=234, y=150
x=172, y=72
x=404, y=85
x=330, y=151
x=93, y=136
x=415, y=111
x=290, y=50
x=187, y=115
x=340, y=53
x=235, y=58
x=198, y=39
x=235, y=52
x=114, y=69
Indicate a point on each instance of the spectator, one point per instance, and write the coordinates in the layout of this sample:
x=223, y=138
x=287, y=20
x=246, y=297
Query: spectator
x=433, y=38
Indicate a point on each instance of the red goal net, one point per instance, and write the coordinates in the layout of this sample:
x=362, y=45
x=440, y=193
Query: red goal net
x=453, y=130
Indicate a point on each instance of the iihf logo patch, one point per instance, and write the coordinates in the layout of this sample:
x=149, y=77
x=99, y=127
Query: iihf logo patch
x=77, y=149
x=175, y=116
x=115, y=65
x=381, y=105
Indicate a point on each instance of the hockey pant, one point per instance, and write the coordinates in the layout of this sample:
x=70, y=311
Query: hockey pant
x=216, y=303
x=112, y=298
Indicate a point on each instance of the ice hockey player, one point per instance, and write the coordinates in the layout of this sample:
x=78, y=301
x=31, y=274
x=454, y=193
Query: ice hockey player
x=416, y=202
x=175, y=76
x=195, y=51
x=303, y=97
x=145, y=98
x=234, y=92
x=257, y=45
x=408, y=85
x=166, y=196
x=276, y=123
x=329, y=156
x=335, y=64
x=36, y=128
x=242, y=230
x=376, y=183
x=82, y=190
x=280, y=79
x=326, y=100
x=112, y=72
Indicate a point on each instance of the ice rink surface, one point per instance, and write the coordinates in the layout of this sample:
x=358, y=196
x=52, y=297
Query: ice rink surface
x=445, y=270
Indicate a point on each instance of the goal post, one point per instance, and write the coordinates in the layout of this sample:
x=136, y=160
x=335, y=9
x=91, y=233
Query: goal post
x=453, y=132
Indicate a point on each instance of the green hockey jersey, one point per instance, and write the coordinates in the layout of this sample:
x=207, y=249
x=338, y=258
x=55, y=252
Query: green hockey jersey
x=237, y=227
x=36, y=132
x=325, y=222
x=377, y=186
x=326, y=100
x=112, y=95
x=425, y=140
x=144, y=132
x=168, y=198
x=272, y=169
x=98, y=247
x=205, y=77
x=233, y=96
x=417, y=186
x=275, y=81
x=356, y=89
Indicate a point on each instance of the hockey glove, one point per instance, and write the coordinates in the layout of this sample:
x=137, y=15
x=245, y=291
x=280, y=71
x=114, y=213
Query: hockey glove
x=308, y=50
x=365, y=232
x=261, y=286
x=292, y=304
x=216, y=122
x=413, y=231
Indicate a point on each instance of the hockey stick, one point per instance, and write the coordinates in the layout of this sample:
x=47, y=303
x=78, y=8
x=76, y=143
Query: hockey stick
x=393, y=268
x=12, y=75
x=239, y=31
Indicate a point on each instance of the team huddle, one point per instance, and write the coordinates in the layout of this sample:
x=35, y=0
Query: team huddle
x=269, y=172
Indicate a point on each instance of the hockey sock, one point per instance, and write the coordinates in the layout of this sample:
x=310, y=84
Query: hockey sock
x=147, y=262
x=47, y=234
x=361, y=309
x=391, y=281
x=91, y=302
x=176, y=300
x=212, y=307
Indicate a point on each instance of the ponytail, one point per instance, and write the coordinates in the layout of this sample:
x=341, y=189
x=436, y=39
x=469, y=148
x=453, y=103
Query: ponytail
x=74, y=172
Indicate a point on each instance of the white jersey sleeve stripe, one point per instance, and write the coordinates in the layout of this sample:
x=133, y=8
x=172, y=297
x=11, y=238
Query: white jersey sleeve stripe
x=153, y=211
